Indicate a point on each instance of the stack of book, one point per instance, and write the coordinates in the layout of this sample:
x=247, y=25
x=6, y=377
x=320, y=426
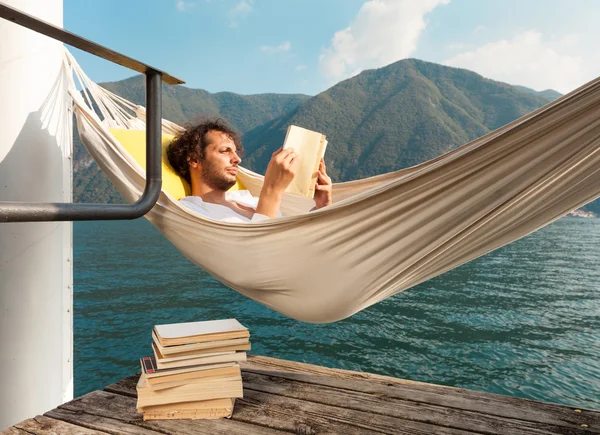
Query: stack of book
x=194, y=372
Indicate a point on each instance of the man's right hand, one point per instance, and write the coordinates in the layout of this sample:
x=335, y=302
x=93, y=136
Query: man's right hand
x=281, y=170
x=280, y=173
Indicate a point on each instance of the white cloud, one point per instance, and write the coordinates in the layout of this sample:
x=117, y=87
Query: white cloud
x=184, y=6
x=383, y=32
x=479, y=29
x=285, y=46
x=529, y=60
x=301, y=67
x=241, y=10
x=456, y=46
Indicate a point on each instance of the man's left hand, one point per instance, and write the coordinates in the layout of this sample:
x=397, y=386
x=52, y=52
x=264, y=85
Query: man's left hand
x=323, y=196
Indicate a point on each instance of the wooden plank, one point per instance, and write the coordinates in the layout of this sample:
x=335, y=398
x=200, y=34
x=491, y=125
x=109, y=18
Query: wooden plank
x=98, y=422
x=13, y=431
x=450, y=397
x=123, y=408
x=519, y=409
x=300, y=416
x=284, y=396
x=427, y=407
x=379, y=404
x=42, y=425
x=125, y=386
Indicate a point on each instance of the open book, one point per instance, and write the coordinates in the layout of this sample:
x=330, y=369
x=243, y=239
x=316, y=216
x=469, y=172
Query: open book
x=310, y=145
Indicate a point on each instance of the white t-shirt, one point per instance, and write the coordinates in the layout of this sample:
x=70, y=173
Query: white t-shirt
x=223, y=213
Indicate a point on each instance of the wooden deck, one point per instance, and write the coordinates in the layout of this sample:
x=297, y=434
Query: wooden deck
x=287, y=397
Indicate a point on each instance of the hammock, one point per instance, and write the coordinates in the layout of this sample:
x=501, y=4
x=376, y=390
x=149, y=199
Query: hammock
x=383, y=234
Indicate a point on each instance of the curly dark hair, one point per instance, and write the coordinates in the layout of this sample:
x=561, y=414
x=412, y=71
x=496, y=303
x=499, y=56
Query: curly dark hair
x=189, y=146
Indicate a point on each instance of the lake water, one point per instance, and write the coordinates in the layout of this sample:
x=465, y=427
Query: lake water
x=522, y=321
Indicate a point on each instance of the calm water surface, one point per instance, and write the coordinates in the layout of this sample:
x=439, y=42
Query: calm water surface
x=522, y=321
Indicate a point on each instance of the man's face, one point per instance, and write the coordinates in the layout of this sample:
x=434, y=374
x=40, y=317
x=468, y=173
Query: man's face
x=220, y=165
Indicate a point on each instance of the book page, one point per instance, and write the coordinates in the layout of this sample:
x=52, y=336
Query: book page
x=234, y=357
x=200, y=347
x=215, y=403
x=151, y=370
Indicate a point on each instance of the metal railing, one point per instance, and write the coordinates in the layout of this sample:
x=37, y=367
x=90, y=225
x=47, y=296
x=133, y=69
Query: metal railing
x=40, y=212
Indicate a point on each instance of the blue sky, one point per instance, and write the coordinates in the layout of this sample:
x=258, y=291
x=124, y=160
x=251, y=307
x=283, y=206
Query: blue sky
x=306, y=46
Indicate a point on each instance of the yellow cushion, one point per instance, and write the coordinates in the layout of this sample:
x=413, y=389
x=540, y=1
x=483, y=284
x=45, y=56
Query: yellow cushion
x=134, y=141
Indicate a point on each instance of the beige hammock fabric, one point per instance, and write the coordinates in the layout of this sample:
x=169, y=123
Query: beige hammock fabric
x=383, y=234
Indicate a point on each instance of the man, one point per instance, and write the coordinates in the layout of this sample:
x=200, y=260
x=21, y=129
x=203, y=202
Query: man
x=208, y=155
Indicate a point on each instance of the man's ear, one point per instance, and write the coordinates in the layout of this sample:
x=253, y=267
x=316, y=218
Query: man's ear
x=193, y=164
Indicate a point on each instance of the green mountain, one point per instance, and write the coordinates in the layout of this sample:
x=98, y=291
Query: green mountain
x=550, y=94
x=378, y=121
x=397, y=116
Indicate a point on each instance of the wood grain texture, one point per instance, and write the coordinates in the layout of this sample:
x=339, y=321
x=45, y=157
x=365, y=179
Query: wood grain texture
x=376, y=398
x=43, y=425
x=300, y=416
x=122, y=409
x=380, y=404
x=91, y=420
x=290, y=397
x=447, y=397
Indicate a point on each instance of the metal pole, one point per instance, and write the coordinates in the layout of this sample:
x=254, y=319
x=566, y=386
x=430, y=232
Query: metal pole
x=153, y=142
x=40, y=212
x=11, y=211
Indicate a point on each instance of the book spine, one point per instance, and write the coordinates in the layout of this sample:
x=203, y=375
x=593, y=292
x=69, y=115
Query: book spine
x=148, y=364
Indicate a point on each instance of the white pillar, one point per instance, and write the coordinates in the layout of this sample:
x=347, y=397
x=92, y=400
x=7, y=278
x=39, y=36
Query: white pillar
x=36, y=338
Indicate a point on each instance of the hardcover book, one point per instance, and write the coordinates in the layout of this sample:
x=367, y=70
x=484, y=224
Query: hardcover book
x=311, y=146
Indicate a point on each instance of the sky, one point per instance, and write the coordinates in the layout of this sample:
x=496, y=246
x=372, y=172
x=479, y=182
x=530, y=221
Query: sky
x=307, y=46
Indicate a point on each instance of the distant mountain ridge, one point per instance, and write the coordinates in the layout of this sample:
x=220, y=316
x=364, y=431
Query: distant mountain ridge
x=378, y=121
x=396, y=116
x=550, y=94
x=182, y=104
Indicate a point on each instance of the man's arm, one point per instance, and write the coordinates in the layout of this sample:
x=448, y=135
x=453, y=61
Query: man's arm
x=280, y=173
